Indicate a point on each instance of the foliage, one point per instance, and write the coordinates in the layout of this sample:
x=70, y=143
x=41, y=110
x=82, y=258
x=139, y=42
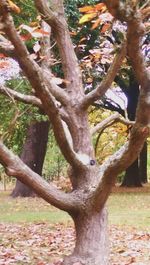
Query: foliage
x=19, y=115
x=116, y=134
x=55, y=165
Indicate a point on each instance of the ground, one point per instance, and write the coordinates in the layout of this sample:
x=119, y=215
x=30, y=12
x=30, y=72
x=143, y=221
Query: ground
x=34, y=233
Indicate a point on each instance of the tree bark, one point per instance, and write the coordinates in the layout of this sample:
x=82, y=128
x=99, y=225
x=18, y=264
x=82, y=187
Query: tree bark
x=33, y=155
x=143, y=164
x=92, y=244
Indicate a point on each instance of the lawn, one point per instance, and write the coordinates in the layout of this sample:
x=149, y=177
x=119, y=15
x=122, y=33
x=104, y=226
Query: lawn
x=125, y=207
x=34, y=233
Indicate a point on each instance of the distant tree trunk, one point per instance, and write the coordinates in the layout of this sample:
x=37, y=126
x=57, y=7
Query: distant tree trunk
x=33, y=154
x=132, y=175
x=143, y=164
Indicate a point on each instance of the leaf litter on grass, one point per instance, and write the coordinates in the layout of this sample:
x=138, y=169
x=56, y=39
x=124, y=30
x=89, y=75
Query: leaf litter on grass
x=46, y=244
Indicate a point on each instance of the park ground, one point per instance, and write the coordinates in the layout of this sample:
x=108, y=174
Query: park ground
x=34, y=233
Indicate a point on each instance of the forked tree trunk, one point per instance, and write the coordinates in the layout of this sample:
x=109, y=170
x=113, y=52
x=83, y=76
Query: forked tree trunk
x=92, y=244
x=33, y=155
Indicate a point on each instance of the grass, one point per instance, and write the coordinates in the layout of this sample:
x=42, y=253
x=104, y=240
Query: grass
x=28, y=210
x=125, y=207
x=129, y=208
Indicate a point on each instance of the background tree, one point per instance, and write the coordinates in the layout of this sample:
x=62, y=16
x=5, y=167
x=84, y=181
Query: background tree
x=136, y=174
x=33, y=154
x=91, y=183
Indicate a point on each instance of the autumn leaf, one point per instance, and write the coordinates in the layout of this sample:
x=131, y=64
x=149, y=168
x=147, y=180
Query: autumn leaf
x=73, y=33
x=100, y=7
x=4, y=64
x=34, y=32
x=26, y=37
x=87, y=17
x=2, y=55
x=96, y=23
x=14, y=7
x=90, y=9
x=86, y=9
x=38, y=33
x=105, y=27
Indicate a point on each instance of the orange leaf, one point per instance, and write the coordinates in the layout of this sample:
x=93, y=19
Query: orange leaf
x=73, y=33
x=100, y=7
x=38, y=33
x=2, y=55
x=96, y=23
x=26, y=37
x=105, y=27
x=86, y=9
x=4, y=64
x=14, y=7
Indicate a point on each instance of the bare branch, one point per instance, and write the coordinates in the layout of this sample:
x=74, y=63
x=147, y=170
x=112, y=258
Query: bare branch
x=56, y=19
x=28, y=99
x=109, y=121
x=107, y=80
x=15, y=167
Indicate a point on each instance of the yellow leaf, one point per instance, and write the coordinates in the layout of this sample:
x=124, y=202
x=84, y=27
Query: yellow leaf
x=14, y=7
x=87, y=17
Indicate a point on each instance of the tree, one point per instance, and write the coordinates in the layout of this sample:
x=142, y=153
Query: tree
x=33, y=154
x=67, y=111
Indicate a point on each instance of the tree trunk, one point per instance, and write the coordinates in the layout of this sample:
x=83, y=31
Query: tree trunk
x=132, y=176
x=92, y=244
x=33, y=154
x=143, y=164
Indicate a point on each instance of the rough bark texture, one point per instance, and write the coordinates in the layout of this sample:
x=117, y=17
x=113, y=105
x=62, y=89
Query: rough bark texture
x=92, y=243
x=33, y=154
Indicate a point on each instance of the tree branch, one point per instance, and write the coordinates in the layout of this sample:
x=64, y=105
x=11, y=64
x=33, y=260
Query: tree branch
x=109, y=121
x=27, y=99
x=107, y=80
x=56, y=19
x=15, y=167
